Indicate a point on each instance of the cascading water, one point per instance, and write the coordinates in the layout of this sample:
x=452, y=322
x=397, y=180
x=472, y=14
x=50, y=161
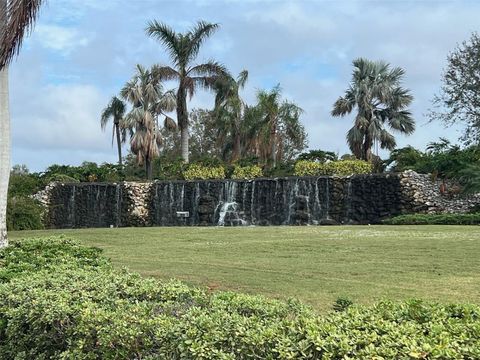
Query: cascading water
x=229, y=208
x=279, y=201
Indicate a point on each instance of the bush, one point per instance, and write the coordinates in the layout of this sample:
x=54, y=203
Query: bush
x=247, y=172
x=66, y=302
x=200, y=172
x=338, y=168
x=24, y=213
x=435, y=219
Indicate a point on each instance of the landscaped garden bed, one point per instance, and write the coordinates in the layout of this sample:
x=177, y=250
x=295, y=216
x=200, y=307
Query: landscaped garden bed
x=63, y=300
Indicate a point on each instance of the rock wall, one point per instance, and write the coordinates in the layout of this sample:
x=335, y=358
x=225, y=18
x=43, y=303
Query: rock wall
x=357, y=199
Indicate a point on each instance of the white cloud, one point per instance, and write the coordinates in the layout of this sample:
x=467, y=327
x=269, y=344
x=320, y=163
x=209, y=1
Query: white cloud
x=61, y=39
x=59, y=88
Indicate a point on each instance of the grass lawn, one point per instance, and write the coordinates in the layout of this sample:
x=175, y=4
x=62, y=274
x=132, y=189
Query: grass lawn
x=313, y=264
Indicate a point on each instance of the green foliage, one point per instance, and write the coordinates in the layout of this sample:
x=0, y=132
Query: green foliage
x=342, y=304
x=338, y=168
x=24, y=213
x=200, y=172
x=62, y=178
x=86, y=172
x=247, y=172
x=459, y=97
x=435, y=219
x=67, y=309
x=308, y=168
x=30, y=255
x=318, y=155
x=440, y=158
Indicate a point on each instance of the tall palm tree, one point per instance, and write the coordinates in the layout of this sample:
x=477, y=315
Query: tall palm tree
x=275, y=114
x=115, y=110
x=376, y=93
x=145, y=93
x=229, y=110
x=16, y=19
x=183, y=49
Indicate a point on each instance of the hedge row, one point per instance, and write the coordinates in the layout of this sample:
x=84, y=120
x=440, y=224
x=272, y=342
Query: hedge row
x=339, y=168
x=435, y=219
x=63, y=301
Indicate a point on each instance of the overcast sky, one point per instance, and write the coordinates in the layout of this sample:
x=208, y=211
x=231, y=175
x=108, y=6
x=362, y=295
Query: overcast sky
x=82, y=52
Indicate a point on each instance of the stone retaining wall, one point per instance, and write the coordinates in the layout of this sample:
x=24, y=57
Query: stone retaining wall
x=359, y=199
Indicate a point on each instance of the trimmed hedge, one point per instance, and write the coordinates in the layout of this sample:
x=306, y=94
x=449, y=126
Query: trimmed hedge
x=200, y=172
x=339, y=168
x=435, y=219
x=70, y=303
x=247, y=172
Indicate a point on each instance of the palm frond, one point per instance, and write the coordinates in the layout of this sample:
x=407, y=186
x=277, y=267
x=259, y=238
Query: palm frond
x=242, y=79
x=196, y=36
x=18, y=17
x=211, y=68
x=167, y=36
x=164, y=73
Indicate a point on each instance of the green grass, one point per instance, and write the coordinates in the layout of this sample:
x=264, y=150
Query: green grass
x=313, y=264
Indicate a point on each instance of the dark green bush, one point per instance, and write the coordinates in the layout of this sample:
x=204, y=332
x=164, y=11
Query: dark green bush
x=32, y=255
x=435, y=219
x=24, y=213
x=79, y=307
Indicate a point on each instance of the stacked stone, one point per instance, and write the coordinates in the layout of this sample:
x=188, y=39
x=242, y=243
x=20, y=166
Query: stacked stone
x=425, y=195
x=138, y=195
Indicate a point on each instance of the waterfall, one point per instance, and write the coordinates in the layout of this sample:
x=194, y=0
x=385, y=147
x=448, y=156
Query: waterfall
x=229, y=208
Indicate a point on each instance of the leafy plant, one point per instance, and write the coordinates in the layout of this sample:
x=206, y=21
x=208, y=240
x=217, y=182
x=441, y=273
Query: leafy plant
x=61, y=300
x=200, y=172
x=24, y=213
x=339, y=168
x=247, y=172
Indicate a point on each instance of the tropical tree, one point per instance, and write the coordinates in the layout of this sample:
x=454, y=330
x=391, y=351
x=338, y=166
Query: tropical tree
x=459, y=99
x=279, y=125
x=145, y=92
x=183, y=49
x=16, y=19
x=379, y=99
x=229, y=111
x=115, y=110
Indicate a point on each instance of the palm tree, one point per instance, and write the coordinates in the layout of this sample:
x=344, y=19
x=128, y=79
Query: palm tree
x=115, y=110
x=276, y=115
x=183, y=50
x=229, y=111
x=145, y=93
x=16, y=19
x=380, y=100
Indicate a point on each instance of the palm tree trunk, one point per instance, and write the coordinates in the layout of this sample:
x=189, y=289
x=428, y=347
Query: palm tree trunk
x=367, y=148
x=273, y=139
x=182, y=118
x=119, y=144
x=4, y=154
x=148, y=169
x=236, y=147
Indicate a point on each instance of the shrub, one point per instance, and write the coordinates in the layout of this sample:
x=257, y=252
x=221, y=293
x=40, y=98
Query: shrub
x=308, y=168
x=24, y=213
x=32, y=255
x=66, y=302
x=247, y=172
x=435, y=219
x=339, y=168
x=200, y=172
x=62, y=178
